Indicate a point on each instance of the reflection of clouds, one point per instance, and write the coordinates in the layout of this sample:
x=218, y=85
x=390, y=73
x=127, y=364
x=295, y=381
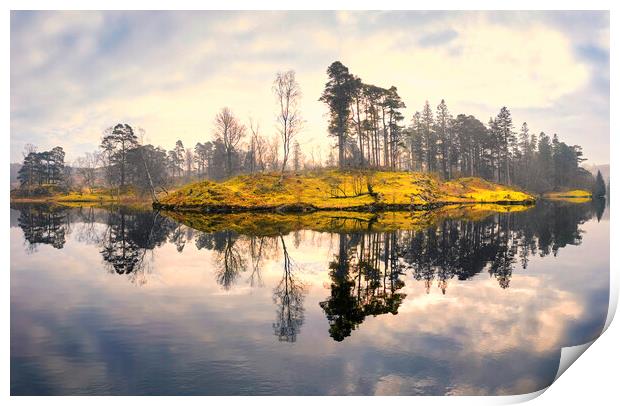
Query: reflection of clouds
x=527, y=314
x=182, y=315
x=391, y=384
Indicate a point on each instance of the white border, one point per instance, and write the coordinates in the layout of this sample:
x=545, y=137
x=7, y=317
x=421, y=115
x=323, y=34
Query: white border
x=593, y=381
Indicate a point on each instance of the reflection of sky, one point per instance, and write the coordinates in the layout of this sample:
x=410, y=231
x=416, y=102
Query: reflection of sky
x=77, y=329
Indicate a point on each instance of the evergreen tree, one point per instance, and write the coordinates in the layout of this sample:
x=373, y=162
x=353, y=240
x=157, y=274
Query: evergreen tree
x=116, y=143
x=429, y=138
x=599, y=189
x=338, y=94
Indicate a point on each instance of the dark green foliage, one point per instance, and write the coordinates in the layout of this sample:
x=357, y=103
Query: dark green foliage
x=599, y=190
x=42, y=168
x=116, y=143
x=147, y=168
x=338, y=95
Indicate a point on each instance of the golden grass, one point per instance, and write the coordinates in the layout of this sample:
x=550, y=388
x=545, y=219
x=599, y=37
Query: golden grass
x=340, y=190
x=98, y=197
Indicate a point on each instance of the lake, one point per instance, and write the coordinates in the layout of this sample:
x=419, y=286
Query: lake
x=134, y=302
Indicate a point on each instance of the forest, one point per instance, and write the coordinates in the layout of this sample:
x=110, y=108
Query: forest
x=368, y=133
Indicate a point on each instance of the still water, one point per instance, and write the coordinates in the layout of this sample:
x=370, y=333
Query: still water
x=130, y=302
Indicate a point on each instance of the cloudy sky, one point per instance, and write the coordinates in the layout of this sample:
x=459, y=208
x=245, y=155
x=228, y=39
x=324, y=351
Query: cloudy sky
x=75, y=73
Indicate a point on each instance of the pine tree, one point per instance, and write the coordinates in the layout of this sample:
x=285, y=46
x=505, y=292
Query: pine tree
x=428, y=137
x=442, y=129
x=600, y=190
x=338, y=94
x=116, y=143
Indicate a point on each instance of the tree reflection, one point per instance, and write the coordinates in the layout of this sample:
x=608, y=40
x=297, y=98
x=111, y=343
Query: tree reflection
x=366, y=273
x=599, y=205
x=289, y=299
x=257, y=249
x=230, y=262
x=128, y=237
x=365, y=278
x=43, y=224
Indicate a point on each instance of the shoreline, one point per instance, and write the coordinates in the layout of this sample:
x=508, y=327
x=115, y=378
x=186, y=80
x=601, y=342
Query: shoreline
x=308, y=208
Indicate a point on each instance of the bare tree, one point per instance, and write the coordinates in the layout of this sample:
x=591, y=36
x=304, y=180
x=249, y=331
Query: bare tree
x=29, y=149
x=271, y=153
x=230, y=132
x=288, y=94
x=86, y=168
x=257, y=148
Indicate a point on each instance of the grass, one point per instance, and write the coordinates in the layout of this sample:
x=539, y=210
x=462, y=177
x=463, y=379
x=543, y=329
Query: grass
x=96, y=197
x=340, y=190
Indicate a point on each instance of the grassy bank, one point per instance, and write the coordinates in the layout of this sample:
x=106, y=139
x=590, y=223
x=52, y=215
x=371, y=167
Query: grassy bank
x=334, y=190
x=98, y=197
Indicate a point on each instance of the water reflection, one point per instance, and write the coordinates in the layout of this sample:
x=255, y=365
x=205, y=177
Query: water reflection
x=367, y=271
x=353, y=289
x=288, y=297
x=43, y=224
x=365, y=278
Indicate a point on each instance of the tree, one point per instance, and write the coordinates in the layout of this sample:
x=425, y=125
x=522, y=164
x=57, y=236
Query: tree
x=258, y=148
x=416, y=143
x=600, y=190
x=338, y=94
x=148, y=169
x=297, y=157
x=429, y=137
x=29, y=173
x=229, y=131
x=86, y=169
x=179, y=154
x=392, y=104
x=42, y=168
x=116, y=143
x=506, y=138
x=176, y=158
x=289, y=122
x=189, y=162
x=443, y=130
x=201, y=157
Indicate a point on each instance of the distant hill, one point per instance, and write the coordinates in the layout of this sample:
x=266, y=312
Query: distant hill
x=14, y=169
x=603, y=168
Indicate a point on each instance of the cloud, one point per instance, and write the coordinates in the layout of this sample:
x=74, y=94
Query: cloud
x=75, y=73
x=437, y=38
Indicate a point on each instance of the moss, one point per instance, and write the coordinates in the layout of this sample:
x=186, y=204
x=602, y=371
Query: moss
x=340, y=190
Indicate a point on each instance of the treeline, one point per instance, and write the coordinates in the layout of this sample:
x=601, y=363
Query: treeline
x=122, y=161
x=370, y=132
x=41, y=169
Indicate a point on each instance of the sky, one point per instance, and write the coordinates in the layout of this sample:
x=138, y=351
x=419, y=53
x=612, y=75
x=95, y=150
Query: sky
x=73, y=74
